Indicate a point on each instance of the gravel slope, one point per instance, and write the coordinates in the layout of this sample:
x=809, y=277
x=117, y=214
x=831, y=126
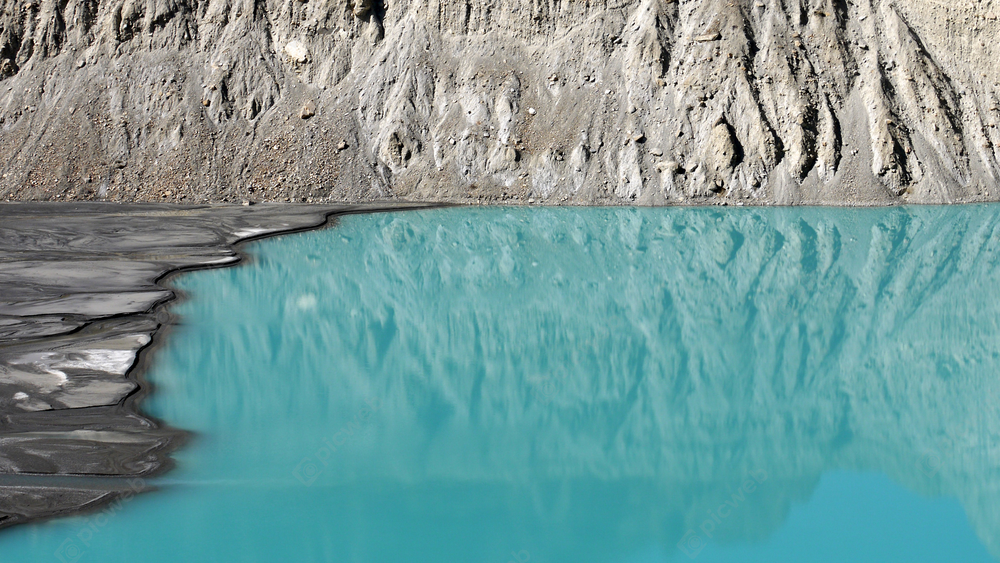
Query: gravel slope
x=865, y=102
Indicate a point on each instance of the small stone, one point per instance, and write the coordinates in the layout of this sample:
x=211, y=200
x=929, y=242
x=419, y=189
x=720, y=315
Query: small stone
x=710, y=36
x=638, y=137
x=7, y=69
x=531, y=111
x=362, y=8
x=246, y=203
x=168, y=193
x=531, y=200
x=451, y=141
x=341, y=145
x=669, y=166
x=656, y=152
x=297, y=51
x=308, y=110
x=206, y=102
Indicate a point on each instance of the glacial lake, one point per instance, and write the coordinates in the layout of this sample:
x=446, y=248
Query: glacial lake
x=477, y=385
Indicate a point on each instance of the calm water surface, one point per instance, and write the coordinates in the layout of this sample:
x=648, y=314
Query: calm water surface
x=577, y=385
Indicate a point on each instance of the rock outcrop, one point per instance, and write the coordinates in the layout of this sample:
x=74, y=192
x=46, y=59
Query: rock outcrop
x=859, y=102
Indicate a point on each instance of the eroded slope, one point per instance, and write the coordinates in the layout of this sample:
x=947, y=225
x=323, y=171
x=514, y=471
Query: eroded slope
x=653, y=101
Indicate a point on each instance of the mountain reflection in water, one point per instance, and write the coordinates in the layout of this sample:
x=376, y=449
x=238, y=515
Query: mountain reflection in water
x=594, y=384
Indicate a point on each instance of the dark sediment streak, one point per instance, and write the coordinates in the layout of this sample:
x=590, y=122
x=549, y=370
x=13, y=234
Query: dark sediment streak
x=80, y=300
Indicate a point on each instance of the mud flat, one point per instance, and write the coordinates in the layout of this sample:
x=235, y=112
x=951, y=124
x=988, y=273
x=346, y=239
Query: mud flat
x=80, y=300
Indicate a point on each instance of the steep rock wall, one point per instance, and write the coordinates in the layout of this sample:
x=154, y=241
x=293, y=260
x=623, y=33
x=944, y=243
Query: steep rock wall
x=652, y=101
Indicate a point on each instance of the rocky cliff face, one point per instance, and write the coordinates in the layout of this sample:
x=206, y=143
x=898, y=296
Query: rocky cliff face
x=598, y=101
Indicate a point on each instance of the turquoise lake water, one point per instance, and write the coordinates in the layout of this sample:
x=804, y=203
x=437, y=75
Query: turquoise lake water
x=579, y=385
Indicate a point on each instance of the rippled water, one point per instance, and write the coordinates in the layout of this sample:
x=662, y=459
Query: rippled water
x=572, y=385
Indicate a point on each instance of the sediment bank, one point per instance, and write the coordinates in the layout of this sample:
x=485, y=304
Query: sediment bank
x=81, y=301
x=748, y=102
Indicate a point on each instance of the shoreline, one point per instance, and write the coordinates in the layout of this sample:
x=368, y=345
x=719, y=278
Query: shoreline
x=85, y=306
x=34, y=488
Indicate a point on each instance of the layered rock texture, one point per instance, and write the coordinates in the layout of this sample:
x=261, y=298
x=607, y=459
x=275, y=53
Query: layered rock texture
x=600, y=101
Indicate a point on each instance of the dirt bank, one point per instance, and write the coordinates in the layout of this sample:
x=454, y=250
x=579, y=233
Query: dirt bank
x=860, y=102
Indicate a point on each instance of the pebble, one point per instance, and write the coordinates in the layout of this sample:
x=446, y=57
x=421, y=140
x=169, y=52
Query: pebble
x=341, y=145
x=531, y=111
x=670, y=166
x=308, y=110
x=297, y=51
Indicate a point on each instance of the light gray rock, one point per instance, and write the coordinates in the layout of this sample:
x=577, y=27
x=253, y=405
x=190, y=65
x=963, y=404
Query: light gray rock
x=863, y=103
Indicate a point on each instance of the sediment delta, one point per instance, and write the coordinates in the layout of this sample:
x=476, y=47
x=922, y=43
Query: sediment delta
x=861, y=102
x=80, y=299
